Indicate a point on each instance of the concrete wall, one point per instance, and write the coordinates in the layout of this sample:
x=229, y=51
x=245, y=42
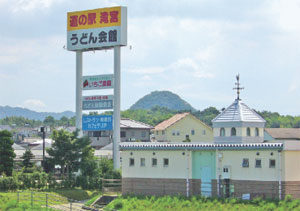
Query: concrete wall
x=291, y=163
x=234, y=159
x=177, y=164
x=203, y=133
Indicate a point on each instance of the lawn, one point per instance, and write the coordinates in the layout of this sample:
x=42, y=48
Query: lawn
x=168, y=203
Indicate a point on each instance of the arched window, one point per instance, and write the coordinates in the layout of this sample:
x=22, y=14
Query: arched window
x=233, y=131
x=222, y=131
x=256, y=132
x=248, y=131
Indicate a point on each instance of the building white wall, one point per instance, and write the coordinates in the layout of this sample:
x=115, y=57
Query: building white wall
x=234, y=159
x=177, y=168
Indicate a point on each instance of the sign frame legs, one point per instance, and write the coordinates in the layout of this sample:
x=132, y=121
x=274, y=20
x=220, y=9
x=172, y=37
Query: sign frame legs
x=117, y=106
x=79, y=92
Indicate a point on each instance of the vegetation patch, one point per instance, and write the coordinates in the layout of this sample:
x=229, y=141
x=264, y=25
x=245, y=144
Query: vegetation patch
x=199, y=203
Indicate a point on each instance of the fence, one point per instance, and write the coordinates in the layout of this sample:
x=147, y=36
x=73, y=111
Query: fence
x=48, y=200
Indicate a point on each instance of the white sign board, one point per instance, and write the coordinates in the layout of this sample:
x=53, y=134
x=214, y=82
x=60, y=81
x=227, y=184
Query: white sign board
x=97, y=29
x=97, y=102
x=98, y=82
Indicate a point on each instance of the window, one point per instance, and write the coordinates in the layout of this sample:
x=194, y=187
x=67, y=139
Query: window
x=248, y=131
x=225, y=170
x=257, y=163
x=143, y=133
x=245, y=163
x=233, y=131
x=193, y=132
x=97, y=134
x=166, y=162
x=143, y=162
x=132, y=133
x=178, y=132
x=272, y=163
x=90, y=134
x=222, y=131
x=204, y=132
x=256, y=132
x=154, y=162
x=163, y=132
x=173, y=132
x=131, y=162
x=123, y=134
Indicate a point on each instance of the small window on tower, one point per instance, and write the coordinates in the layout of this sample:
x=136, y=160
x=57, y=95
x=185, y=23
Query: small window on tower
x=256, y=132
x=248, y=131
x=222, y=131
x=233, y=131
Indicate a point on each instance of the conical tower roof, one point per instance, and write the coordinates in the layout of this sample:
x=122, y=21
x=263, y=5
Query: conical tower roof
x=238, y=112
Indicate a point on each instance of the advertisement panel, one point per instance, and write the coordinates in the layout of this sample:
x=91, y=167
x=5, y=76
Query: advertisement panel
x=98, y=82
x=97, y=102
x=97, y=29
x=96, y=123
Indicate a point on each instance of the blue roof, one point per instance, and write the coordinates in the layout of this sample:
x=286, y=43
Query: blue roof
x=238, y=112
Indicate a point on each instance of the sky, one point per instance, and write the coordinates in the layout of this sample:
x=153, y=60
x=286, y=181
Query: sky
x=193, y=48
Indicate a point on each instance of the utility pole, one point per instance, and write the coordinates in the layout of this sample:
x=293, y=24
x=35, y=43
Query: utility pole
x=43, y=132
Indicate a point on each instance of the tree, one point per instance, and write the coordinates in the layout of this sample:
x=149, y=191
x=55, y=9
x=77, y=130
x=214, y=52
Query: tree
x=49, y=121
x=7, y=154
x=64, y=121
x=69, y=151
x=27, y=163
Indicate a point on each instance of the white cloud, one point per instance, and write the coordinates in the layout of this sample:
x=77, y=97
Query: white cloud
x=28, y=5
x=145, y=70
x=34, y=104
x=287, y=14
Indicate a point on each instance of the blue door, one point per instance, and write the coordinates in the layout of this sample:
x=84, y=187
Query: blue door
x=206, y=186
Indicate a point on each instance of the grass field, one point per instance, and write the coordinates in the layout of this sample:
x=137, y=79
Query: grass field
x=8, y=200
x=168, y=203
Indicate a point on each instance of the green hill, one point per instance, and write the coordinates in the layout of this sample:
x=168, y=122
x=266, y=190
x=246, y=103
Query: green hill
x=164, y=99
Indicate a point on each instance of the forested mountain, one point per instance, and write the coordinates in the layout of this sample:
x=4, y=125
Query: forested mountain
x=162, y=99
x=151, y=109
x=7, y=111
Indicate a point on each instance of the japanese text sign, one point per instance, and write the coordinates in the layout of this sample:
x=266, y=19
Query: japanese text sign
x=96, y=123
x=98, y=82
x=97, y=29
x=97, y=102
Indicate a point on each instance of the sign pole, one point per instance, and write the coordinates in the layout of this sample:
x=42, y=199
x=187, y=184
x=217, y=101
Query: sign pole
x=79, y=92
x=117, y=106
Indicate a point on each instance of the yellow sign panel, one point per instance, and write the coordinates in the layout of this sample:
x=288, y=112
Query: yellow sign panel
x=97, y=29
x=98, y=18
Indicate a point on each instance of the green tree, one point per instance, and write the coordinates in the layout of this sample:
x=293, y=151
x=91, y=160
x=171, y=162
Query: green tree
x=27, y=163
x=69, y=151
x=64, y=121
x=7, y=154
x=49, y=121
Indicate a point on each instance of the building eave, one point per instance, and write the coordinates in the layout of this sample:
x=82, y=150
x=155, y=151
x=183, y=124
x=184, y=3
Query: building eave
x=199, y=146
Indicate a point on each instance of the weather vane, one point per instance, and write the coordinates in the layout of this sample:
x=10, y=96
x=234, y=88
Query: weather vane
x=238, y=88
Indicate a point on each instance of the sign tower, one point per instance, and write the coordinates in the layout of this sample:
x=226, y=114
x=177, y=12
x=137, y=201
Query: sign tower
x=90, y=30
